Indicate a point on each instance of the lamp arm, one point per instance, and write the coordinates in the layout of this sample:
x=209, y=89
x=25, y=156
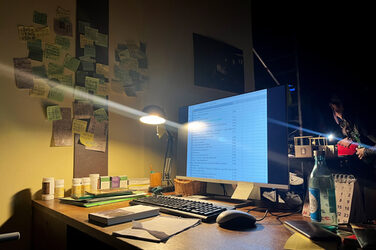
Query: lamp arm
x=168, y=159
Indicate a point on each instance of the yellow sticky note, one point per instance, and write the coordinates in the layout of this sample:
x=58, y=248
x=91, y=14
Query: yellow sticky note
x=103, y=70
x=40, y=89
x=87, y=139
x=79, y=126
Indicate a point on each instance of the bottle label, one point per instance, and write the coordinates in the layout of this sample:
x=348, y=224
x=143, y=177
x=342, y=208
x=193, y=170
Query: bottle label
x=314, y=204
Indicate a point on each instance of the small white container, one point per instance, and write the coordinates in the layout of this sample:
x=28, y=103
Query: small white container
x=76, y=187
x=48, y=186
x=86, y=187
x=94, y=182
x=59, y=188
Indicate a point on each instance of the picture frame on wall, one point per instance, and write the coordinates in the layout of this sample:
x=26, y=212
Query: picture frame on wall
x=218, y=65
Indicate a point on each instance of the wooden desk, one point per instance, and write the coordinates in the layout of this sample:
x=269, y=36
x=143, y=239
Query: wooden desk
x=61, y=226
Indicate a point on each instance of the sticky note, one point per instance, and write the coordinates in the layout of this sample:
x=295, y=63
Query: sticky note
x=91, y=33
x=39, y=71
x=87, y=59
x=54, y=68
x=62, y=27
x=64, y=42
x=62, y=130
x=91, y=83
x=71, y=63
x=102, y=89
x=81, y=93
x=26, y=33
x=102, y=40
x=100, y=115
x=42, y=32
x=89, y=51
x=56, y=94
x=66, y=79
x=60, y=12
x=34, y=44
x=103, y=70
x=54, y=113
x=23, y=73
x=81, y=26
x=84, y=41
x=87, y=66
x=40, y=89
x=80, y=76
x=79, y=126
x=40, y=18
x=87, y=138
x=52, y=51
x=36, y=54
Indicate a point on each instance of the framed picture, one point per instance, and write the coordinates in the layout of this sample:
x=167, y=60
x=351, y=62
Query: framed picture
x=217, y=65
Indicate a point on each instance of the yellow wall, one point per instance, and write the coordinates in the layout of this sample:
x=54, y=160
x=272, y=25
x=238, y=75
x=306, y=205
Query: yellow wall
x=166, y=26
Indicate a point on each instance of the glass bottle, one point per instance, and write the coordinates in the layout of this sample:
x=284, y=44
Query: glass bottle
x=322, y=200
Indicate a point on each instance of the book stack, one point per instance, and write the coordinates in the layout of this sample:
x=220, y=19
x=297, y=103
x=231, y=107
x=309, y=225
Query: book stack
x=102, y=197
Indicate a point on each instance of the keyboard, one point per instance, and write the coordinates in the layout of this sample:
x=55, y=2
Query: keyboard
x=203, y=210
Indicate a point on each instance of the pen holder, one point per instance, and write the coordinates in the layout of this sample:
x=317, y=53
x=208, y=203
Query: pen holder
x=188, y=187
x=155, y=179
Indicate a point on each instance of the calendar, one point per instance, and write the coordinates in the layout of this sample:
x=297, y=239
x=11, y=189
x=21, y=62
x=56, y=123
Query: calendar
x=344, y=185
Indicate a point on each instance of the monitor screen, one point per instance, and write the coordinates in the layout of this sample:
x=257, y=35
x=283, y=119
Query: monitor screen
x=242, y=138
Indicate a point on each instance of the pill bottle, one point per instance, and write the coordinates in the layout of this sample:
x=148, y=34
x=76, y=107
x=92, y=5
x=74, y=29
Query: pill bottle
x=76, y=187
x=59, y=188
x=86, y=187
x=48, y=188
x=94, y=182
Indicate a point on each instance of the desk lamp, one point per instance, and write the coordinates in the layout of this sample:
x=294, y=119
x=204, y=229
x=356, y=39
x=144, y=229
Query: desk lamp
x=154, y=115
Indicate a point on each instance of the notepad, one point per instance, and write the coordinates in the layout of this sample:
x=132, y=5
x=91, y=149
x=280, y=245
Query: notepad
x=158, y=229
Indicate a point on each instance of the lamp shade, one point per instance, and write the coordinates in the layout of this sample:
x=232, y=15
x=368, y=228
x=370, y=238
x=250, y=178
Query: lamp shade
x=153, y=115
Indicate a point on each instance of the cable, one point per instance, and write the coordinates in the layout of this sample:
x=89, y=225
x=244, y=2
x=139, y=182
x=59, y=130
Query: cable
x=263, y=217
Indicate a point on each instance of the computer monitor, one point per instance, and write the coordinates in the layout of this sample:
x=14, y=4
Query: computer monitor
x=241, y=138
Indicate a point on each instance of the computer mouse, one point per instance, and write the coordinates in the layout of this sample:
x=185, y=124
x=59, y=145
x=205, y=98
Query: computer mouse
x=236, y=219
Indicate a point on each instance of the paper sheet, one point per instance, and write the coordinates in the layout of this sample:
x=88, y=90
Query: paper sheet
x=64, y=42
x=54, y=113
x=87, y=138
x=23, y=73
x=101, y=115
x=91, y=83
x=157, y=229
x=99, y=129
x=62, y=130
x=82, y=110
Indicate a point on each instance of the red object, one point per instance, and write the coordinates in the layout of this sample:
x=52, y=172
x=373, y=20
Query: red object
x=347, y=150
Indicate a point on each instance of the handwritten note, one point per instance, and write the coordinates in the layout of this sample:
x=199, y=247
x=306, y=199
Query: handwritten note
x=23, y=73
x=52, y=51
x=102, y=89
x=89, y=51
x=82, y=110
x=100, y=115
x=91, y=33
x=99, y=130
x=62, y=26
x=102, y=40
x=39, y=71
x=64, y=42
x=26, y=33
x=40, y=89
x=62, y=129
x=56, y=94
x=87, y=139
x=79, y=126
x=103, y=70
x=55, y=69
x=40, y=18
x=71, y=63
x=54, y=113
x=66, y=79
x=91, y=83
x=87, y=66
x=81, y=93
x=84, y=41
x=42, y=32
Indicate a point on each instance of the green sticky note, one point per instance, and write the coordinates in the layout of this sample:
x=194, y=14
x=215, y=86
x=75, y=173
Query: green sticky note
x=100, y=115
x=40, y=18
x=64, y=42
x=54, y=113
x=91, y=33
x=67, y=79
x=81, y=26
x=71, y=63
x=34, y=44
x=56, y=94
x=87, y=66
x=80, y=76
x=80, y=93
x=102, y=40
x=54, y=69
x=91, y=83
x=87, y=59
x=39, y=71
x=36, y=54
x=52, y=51
x=89, y=51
